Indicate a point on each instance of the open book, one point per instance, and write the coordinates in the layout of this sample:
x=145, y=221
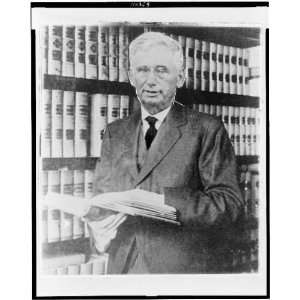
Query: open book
x=135, y=202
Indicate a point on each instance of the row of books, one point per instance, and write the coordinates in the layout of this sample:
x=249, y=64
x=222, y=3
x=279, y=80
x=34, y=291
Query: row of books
x=58, y=225
x=249, y=185
x=216, y=68
x=74, y=264
x=73, y=123
x=241, y=123
x=101, y=52
x=93, y=52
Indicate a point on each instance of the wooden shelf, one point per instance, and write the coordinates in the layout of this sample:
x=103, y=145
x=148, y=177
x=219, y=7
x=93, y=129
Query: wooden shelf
x=89, y=163
x=185, y=96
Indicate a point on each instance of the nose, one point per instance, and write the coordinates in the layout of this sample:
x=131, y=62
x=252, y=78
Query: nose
x=151, y=78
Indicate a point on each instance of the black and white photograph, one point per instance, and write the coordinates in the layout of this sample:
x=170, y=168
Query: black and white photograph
x=151, y=150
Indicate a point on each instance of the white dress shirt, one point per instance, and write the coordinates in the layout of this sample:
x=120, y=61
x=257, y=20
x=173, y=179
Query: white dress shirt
x=159, y=116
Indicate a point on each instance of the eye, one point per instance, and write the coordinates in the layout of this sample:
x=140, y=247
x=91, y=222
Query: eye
x=142, y=69
x=161, y=70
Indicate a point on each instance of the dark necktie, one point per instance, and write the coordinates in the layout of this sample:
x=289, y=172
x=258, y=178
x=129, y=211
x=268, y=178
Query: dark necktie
x=151, y=132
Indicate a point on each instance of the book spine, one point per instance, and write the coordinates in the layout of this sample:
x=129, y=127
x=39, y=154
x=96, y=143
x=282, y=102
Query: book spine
x=46, y=124
x=212, y=67
x=113, y=39
x=233, y=70
x=88, y=192
x=55, y=50
x=205, y=66
x=103, y=53
x=57, y=123
x=45, y=47
x=253, y=131
x=100, y=265
x=226, y=75
x=219, y=111
x=245, y=72
x=195, y=107
x=78, y=191
x=73, y=270
x=231, y=125
x=248, y=130
x=189, y=63
x=98, y=122
x=79, y=52
x=123, y=53
x=212, y=110
x=53, y=214
x=197, y=65
x=237, y=130
x=86, y=269
x=201, y=107
x=247, y=193
x=68, y=123
x=81, y=124
x=44, y=190
x=66, y=222
x=91, y=53
x=239, y=71
x=206, y=108
x=113, y=108
x=68, y=51
x=62, y=271
x=225, y=117
x=124, y=106
x=257, y=131
x=243, y=137
x=220, y=67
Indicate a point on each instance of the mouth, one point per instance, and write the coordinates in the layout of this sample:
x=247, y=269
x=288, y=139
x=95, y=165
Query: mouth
x=151, y=93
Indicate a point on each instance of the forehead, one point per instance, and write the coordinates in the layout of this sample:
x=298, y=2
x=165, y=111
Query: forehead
x=154, y=56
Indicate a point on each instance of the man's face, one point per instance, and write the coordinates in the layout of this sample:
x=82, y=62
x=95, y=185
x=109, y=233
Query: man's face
x=155, y=76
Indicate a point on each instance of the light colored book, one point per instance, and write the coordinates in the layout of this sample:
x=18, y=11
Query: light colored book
x=86, y=269
x=237, y=126
x=212, y=67
x=81, y=124
x=113, y=61
x=113, y=105
x=78, y=192
x=68, y=123
x=46, y=123
x=124, y=106
x=44, y=38
x=182, y=41
x=226, y=73
x=233, y=70
x=98, y=122
x=248, y=130
x=91, y=52
x=88, y=192
x=220, y=67
x=123, y=53
x=245, y=72
x=189, y=63
x=55, y=50
x=79, y=52
x=239, y=71
x=197, y=65
x=66, y=220
x=57, y=123
x=205, y=66
x=68, y=51
x=243, y=137
x=103, y=53
x=53, y=227
x=44, y=191
x=231, y=124
x=73, y=269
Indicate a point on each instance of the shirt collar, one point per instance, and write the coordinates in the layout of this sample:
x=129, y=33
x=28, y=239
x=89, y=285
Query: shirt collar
x=159, y=116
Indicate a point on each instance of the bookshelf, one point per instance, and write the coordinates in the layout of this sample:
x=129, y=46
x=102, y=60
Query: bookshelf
x=239, y=38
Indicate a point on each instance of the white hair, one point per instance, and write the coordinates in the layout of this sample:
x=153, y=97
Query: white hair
x=150, y=39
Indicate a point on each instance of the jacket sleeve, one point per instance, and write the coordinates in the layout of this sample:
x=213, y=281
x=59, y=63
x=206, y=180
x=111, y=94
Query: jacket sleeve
x=220, y=201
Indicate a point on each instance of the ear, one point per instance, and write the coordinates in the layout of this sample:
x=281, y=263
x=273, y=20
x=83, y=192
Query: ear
x=131, y=77
x=180, y=79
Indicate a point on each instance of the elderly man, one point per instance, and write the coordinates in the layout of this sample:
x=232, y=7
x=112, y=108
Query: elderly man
x=181, y=156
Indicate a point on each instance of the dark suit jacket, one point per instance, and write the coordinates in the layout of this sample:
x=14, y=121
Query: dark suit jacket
x=192, y=163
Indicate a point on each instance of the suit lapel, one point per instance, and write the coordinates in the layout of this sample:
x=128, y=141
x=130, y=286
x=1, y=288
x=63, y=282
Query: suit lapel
x=168, y=134
x=130, y=143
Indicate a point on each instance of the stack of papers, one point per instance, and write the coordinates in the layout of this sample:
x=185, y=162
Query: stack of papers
x=134, y=202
